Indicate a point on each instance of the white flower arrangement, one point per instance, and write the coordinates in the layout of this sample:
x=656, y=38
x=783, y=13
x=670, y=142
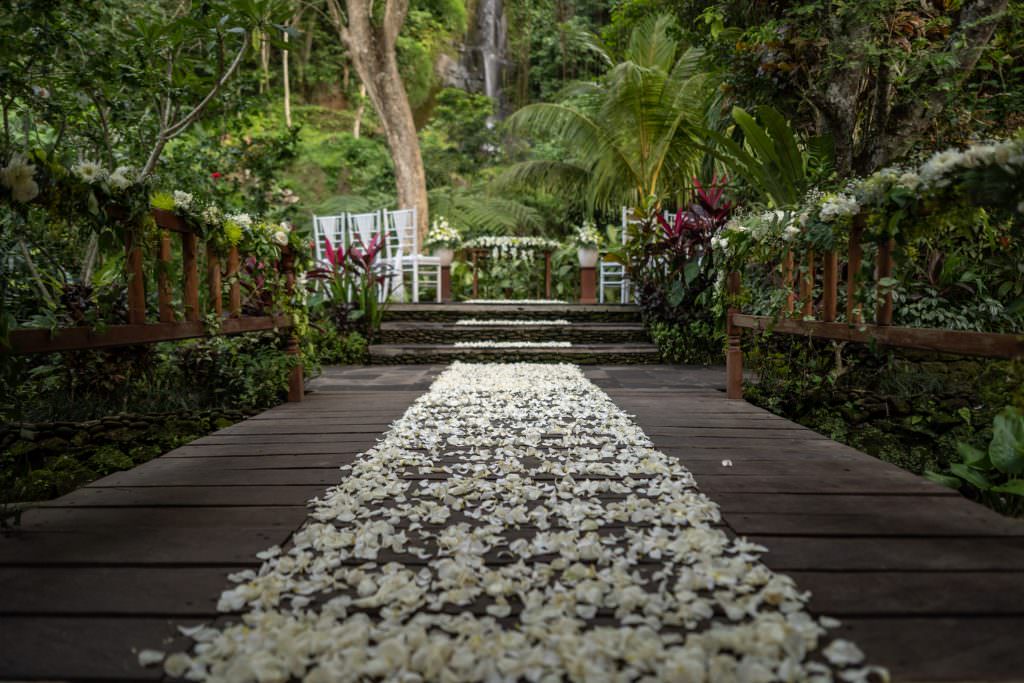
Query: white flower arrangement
x=489, y=322
x=392, y=577
x=513, y=344
x=182, y=201
x=18, y=176
x=587, y=235
x=514, y=248
x=838, y=206
x=442, y=235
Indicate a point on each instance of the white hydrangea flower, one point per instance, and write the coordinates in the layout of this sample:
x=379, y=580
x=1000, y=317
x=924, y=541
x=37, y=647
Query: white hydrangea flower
x=790, y=233
x=838, y=206
x=243, y=219
x=182, y=200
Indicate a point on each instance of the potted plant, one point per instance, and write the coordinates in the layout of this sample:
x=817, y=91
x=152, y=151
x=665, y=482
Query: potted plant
x=443, y=240
x=587, y=242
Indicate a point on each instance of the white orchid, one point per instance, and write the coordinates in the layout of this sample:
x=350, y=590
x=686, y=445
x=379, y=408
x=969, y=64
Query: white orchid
x=89, y=171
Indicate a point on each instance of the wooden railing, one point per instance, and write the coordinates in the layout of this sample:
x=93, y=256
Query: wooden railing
x=879, y=331
x=173, y=324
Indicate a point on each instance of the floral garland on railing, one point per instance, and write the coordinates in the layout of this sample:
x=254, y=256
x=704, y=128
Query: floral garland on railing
x=85, y=191
x=896, y=203
x=513, y=248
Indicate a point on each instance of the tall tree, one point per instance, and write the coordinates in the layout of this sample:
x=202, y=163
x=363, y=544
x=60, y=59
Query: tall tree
x=371, y=36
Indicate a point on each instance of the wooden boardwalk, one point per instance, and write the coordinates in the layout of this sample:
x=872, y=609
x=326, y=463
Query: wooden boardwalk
x=925, y=581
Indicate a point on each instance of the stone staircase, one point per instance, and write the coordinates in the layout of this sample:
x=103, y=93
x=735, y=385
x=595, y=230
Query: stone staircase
x=584, y=334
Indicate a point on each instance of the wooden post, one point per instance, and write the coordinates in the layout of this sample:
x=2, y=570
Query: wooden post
x=446, y=284
x=734, y=352
x=807, y=288
x=235, y=296
x=213, y=280
x=136, y=280
x=830, y=285
x=853, y=312
x=190, y=267
x=547, y=275
x=162, y=278
x=883, y=269
x=787, y=282
x=588, y=285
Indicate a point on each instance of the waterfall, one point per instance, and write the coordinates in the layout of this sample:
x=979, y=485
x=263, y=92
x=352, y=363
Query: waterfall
x=484, y=53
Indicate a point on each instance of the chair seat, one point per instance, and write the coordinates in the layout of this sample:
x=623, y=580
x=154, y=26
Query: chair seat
x=419, y=258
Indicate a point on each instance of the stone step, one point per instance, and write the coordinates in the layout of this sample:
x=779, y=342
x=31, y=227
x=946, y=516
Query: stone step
x=416, y=332
x=582, y=354
x=459, y=311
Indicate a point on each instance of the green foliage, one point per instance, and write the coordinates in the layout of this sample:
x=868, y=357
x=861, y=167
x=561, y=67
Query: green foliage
x=631, y=138
x=993, y=475
x=694, y=343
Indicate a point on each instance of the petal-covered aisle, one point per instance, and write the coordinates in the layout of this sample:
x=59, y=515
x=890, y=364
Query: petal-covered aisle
x=515, y=524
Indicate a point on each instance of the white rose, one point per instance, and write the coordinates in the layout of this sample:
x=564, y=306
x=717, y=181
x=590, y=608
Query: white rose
x=281, y=238
x=25, y=192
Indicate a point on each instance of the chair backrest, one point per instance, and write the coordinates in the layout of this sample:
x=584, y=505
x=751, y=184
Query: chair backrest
x=402, y=238
x=363, y=226
x=628, y=218
x=331, y=227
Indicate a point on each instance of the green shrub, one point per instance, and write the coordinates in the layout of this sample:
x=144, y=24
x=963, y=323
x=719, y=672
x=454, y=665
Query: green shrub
x=694, y=343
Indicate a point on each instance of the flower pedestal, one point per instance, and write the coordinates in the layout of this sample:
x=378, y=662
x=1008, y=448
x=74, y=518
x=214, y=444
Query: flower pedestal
x=588, y=285
x=446, y=283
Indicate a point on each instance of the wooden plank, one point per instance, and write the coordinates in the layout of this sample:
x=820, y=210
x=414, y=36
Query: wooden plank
x=214, y=294
x=986, y=344
x=237, y=439
x=71, y=338
x=842, y=594
x=185, y=496
x=182, y=591
x=923, y=517
x=907, y=554
x=883, y=482
x=941, y=649
x=275, y=462
x=87, y=648
x=219, y=545
x=286, y=448
x=143, y=519
x=264, y=427
x=830, y=286
x=200, y=476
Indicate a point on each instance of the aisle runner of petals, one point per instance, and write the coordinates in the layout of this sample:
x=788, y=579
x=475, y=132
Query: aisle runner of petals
x=514, y=525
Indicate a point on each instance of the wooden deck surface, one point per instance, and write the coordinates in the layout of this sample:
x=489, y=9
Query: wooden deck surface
x=926, y=582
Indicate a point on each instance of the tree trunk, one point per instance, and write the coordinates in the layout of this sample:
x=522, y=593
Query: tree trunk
x=860, y=106
x=358, y=123
x=371, y=47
